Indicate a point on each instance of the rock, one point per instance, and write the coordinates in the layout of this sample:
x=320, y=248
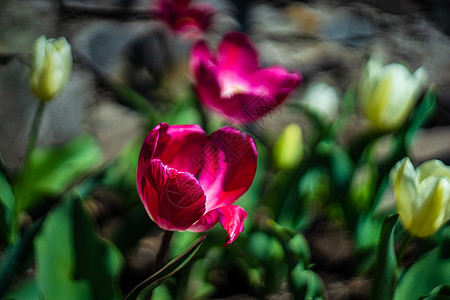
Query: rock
x=104, y=44
x=431, y=143
x=21, y=22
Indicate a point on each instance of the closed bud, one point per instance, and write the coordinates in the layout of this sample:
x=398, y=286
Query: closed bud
x=389, y=93
x=288, y=149
x=50, y=67
x=422, y=196
x=322, y=100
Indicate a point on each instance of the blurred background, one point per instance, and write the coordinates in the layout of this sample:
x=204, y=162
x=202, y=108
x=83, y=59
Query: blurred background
x=118, y=42
x=123, y=57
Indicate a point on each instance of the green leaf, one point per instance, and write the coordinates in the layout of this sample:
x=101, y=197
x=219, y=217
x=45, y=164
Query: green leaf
x=421, y=114
x=422, y=277
x=135, y=100
x=303, y=282
x=386, y=273
x=17, y=256
x=51, y=170
x=441, y=292
x=27, y=291
x=98, y=260
x=294, y=244
x=72, y=262
x=168, y=270
x=7, y=209
x=308, y=285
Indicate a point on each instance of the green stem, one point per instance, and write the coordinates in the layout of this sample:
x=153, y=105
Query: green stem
x=162, y=253
x=34, y=133
x=403, y=246
x=30, y=147
x=163, y=249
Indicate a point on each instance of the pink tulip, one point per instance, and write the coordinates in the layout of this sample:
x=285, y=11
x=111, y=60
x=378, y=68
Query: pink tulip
x=231, y=82
x=188, y=180
x=183, y=17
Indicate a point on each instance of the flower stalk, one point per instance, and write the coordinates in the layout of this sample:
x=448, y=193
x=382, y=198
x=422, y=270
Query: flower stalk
x=406, y=240
x=163, y=249
x=34, y=133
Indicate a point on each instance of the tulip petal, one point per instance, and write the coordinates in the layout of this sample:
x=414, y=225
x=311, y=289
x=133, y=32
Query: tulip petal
x=433, y=168
x=203, y=14
x=237, y=53
x=405, y=183
x=245, y=108
x=431, y=213
x=207, y=87
x=200, y=53
x=275, y=81
x=177, y=146
x=173, y=199
x=229, y=167
x=183, y=17
x=231, y=217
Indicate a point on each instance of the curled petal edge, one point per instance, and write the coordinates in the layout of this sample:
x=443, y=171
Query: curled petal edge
x=231, y=217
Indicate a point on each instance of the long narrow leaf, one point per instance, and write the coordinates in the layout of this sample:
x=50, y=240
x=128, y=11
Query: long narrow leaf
x=169, y=269
x=7, y=209
x=385, y=279
x=17, y=255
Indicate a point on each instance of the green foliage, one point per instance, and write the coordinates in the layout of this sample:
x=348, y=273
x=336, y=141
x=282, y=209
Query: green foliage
x=68, y=251
x=441, y=292
x=17, y=256
x=386, y=273
x=146, y=287
x=52, y=170
x=304, y=283
x=26, y=291
x=7, y=210
x=422, y=277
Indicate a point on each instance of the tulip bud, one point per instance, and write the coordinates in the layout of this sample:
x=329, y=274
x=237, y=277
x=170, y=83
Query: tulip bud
x=322, y=100
x=51, y=67
x=288, y=149
x=422, y=196
x=388, y=93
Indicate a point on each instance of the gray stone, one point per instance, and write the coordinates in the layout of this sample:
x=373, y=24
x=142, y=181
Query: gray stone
x=21, y=22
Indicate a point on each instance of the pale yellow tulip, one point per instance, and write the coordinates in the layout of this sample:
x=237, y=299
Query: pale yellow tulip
x=422, y=196
x=50, y=67
x=389, y=93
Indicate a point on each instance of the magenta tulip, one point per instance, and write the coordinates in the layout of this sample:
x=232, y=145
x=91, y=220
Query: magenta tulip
x=231, y=82
x=183, y=17
x=188, y=180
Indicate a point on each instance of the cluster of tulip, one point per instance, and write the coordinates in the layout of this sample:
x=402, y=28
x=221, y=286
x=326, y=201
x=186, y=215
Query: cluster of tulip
x=189, y=180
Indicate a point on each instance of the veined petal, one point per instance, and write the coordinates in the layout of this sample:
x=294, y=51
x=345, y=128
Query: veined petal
x=231, y=217
x=229, y=167
x=237, y=53
x=177, y=146
x=173, y=199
